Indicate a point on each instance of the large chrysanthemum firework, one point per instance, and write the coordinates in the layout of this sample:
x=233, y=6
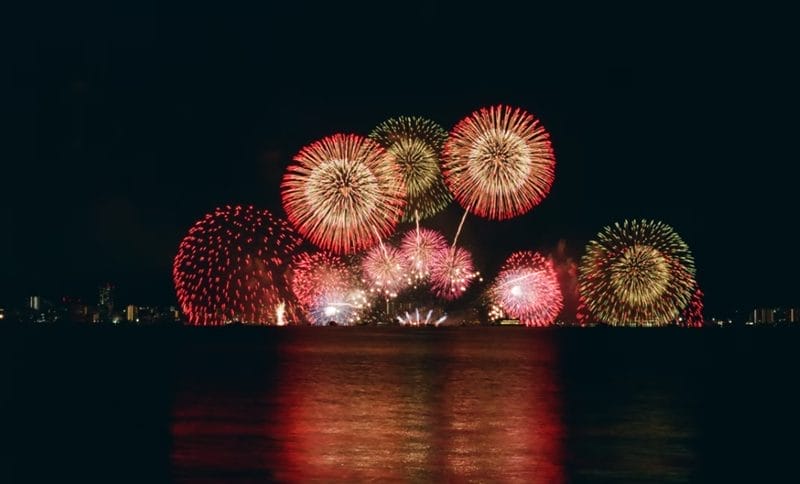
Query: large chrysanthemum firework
x=527, y=288
x=230, y=267
x=385, y=270
x=344, y=193
x=637, y=273
x=416, y=144
x=418, y=247
x=452, y=272
x=499, y=162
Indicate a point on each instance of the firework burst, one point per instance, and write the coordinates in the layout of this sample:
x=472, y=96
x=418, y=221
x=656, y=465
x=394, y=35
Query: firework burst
x=327, y=288
x=637, y=273
x=416, y=144
x=342, y=307
x=344, y=193
x=452, y=272
x=692, y=315
x=385, y=270
x=498, y=162
x=230, y=267
x=527, y=289
x=418, y=247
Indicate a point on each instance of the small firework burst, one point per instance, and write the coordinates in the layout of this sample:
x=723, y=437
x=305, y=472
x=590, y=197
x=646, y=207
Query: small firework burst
x=416, y=144
x=230, y=267
x=314, y=272
x=452, y=272
x=637, y=273
x=498, y=162
x=344, y=193
x=527, y=289
x=418, y=247
x=385, y=270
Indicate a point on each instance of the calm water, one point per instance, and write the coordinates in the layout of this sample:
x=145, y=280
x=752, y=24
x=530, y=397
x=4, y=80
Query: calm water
x=425, y=405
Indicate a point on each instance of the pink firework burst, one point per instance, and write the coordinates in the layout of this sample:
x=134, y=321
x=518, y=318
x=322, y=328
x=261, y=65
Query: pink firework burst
x=385, y=270
x=418, y=247
x=498, y=162
x=527, y=288
x=452, y=272
x=313, y=273
x=230, y=267
x=344, y=193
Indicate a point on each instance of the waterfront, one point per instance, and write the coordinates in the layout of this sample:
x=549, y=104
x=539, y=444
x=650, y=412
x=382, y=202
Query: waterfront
x=393, y=404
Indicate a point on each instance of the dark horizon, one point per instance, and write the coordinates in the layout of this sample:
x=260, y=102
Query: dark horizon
x=134, y=122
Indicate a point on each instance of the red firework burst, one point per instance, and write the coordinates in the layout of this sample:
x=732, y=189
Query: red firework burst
x=230, y=267
x=527, y=288
x=385, y=269
x=452, y=272
x=344, y=193
x=692, y=315
x=498, y=162
x=326, y=288
x=313, y=273
x=418, y=247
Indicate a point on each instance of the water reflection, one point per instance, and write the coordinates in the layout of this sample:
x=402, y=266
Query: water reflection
x=348, y=404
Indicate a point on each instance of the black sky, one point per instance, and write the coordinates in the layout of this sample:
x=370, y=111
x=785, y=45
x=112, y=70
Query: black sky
x=132, y=121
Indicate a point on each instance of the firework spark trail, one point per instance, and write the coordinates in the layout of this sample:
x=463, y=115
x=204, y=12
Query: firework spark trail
x=344, y=193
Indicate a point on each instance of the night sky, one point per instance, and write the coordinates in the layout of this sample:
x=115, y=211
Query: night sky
x=131, y=122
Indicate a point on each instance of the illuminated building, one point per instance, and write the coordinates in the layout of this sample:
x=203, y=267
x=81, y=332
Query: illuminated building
x=132, y=312
x=35, y=303
x=763, y=316
x=2, y=314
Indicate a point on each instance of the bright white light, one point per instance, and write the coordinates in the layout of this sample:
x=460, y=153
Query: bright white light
x=280, y=311
x=516, y=291
x=330, y=310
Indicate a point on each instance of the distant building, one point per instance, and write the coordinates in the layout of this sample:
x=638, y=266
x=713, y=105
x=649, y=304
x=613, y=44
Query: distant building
x=105, y=304
x=763, y=316
x=35, y=303
x=132, y=313
x=787, y=315
x=2, y=314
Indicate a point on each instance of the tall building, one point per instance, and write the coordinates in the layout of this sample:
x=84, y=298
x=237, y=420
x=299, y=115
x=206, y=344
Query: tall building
x=763, y=316
x=105, y=304
x=35, y=303
x=132, y=313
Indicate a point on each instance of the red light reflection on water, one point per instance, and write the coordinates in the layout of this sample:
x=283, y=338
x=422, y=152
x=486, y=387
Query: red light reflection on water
x=413, y=405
